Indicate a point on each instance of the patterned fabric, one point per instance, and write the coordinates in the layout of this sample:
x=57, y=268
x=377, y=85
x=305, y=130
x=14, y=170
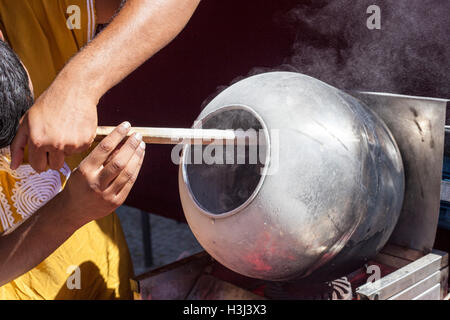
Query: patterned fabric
x=24, y=191
x=39, y=33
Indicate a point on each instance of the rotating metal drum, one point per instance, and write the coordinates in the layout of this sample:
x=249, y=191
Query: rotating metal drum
x=320, y=195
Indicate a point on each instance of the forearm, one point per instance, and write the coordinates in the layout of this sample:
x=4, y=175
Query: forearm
x=35, y=239
x=140, y=30
x=96, y=188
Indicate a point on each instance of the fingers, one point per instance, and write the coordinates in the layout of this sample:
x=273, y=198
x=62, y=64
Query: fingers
x=123, y=194
x=102, y=152
x=18, y=145
x=37, y=157
x=119, y=164
x=126, y=179
x=56, y=160
x=114, y=153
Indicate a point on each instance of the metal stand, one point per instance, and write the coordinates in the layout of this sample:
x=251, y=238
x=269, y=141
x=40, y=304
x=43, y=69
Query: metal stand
x=146, y=239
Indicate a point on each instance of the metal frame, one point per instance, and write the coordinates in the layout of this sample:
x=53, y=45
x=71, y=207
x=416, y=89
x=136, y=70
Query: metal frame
x=425, y=278
x=418, y=126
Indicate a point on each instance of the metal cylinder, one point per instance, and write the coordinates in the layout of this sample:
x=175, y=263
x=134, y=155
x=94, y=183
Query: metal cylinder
x=323, y=195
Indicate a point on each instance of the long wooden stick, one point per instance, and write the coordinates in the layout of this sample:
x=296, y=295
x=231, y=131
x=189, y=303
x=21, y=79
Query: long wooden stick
x=185, y=136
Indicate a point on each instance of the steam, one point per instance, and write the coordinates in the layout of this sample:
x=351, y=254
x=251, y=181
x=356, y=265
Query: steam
x=410, y=54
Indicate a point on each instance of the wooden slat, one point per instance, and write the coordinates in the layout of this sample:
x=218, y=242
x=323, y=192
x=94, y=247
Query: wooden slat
x=211, y=288
x=391, y=261
x=174, y=281
x=188, y=136
x=401, y=252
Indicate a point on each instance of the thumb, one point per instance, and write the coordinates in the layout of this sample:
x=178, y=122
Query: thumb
x=18, y=145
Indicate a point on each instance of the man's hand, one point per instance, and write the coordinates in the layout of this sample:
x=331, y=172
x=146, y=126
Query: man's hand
x=61, y=122
x=99, y=185
x=105, y=177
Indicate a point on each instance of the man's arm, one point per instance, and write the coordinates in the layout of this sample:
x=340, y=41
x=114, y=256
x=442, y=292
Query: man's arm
x=140, y=30
x=64, y=118
x=98, y=186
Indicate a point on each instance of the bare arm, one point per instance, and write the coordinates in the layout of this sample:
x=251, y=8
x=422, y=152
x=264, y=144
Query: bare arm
x=34, y=240
x=141, y=29
x=64, y=118
x=99, y=185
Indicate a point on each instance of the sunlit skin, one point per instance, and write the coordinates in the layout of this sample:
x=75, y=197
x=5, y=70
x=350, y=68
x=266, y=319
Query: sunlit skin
x=63, y=119
x=95, y=189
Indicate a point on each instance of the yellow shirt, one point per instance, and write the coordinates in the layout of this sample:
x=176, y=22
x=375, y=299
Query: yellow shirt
x=39, y=32
x=45, y=34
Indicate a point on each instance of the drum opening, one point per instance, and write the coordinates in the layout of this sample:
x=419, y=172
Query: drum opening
x=228, y=177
